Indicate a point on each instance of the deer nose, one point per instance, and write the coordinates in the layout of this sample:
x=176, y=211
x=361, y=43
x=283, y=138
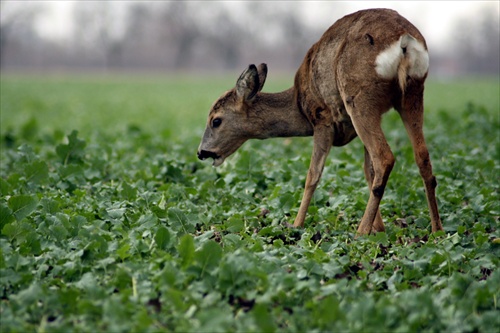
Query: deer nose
x=203, y=154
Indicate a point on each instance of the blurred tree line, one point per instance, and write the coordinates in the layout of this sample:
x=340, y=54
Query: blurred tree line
x=182, y=36
x=159, y=35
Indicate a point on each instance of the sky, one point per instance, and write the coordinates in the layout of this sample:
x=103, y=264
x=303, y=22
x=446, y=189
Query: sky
x=435, y=19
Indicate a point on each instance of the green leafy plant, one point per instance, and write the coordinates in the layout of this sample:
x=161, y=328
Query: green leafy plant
x=116, y=226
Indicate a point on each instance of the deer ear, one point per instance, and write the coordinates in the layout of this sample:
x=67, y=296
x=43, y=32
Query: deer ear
x=262, y=70
x=247, y=85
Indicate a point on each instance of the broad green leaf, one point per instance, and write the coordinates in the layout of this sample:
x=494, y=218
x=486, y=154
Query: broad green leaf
x=36, y=172
x=68, y=298
x=162, y=237
x=6, y=215
x=30, y=295
x=26, y=151
x=123, y=251
x=22, y=205
x=186, y=250
x=5, y=187
x=179, y=221
x=215, y=319
x=67, y=171
x=232, y=241
x=235, y=224
x=326, y=312
x=14, y=180
x=481, y=238
x=59, y=232
x=147, y=222
x=10, y=229
x=72, y=151
x=31, y=245
x=128, y=192
x=87, y=281
x=380, y=238
x=173, y=173
x=116, y=213
x=29, y=129
x=176, y=298
x=263, y=318
x=394, y=280
x=287, y=201
x=50, y=206
x=208, y=256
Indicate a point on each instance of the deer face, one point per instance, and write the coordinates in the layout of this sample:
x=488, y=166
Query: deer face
x=224, y=132
x=229, y=124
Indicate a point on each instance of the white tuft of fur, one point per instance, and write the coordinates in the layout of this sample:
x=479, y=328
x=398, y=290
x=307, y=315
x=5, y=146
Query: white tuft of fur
x=418, y=58
x=387, y=62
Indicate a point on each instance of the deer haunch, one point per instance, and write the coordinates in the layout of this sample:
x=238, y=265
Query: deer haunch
x=363, y=65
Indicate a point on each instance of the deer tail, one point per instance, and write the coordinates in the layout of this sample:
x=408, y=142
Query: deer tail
x=414, y=61
x=403, y=60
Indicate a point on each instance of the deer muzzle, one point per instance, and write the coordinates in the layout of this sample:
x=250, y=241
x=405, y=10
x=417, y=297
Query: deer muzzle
x=204, y=154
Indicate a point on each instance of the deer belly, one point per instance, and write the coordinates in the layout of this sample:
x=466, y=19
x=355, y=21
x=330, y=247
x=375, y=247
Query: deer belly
x=343, y=132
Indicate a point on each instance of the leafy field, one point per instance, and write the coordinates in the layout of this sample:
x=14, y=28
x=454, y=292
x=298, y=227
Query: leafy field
x=110, y=223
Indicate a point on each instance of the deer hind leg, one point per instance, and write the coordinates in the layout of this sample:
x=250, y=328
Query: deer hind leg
x=412, y=114
x=378, y=224
x=323, y=140
x=366, y=121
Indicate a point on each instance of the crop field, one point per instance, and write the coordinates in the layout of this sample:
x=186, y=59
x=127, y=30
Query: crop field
x=109, y=223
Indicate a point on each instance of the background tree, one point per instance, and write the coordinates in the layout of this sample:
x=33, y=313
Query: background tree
x=478, y=43
x=17, y=31
x=99, y=33
x=206, y=36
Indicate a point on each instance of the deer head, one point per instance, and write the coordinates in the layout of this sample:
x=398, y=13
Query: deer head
x=231, y=121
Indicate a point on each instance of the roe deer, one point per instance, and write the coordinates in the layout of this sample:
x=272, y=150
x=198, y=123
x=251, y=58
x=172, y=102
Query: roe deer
x=364, y=64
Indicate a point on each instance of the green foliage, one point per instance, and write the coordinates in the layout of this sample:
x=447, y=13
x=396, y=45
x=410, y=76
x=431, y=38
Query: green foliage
x=109, y=222
x=72, y=151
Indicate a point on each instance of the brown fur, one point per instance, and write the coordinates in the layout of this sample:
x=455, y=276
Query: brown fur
x=337, y=95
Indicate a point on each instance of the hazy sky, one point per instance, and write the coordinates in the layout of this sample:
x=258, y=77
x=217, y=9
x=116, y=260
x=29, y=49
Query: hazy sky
x=434, y=18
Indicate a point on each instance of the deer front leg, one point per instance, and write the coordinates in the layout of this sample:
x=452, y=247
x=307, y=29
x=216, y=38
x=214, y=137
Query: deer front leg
x=323, y=140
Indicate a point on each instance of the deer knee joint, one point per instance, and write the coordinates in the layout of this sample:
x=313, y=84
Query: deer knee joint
x=390, y=161
x=433, y=182
x=378, y=191
x=423, y=159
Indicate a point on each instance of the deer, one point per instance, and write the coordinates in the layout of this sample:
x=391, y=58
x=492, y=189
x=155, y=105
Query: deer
x=365, y=64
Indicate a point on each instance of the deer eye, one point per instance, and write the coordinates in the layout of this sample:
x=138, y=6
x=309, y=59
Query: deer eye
x=216, y=122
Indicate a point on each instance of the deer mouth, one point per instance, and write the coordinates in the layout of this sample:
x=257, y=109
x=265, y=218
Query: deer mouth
x=204, y=154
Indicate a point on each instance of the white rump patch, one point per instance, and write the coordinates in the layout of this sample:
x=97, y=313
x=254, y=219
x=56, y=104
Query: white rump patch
x=419, y=58
x=387, y=61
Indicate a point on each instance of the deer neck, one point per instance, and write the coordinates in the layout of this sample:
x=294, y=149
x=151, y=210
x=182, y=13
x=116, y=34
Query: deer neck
x=279, y=116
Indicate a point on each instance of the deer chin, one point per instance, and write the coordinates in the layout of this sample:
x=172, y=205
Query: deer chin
x=218, y=161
